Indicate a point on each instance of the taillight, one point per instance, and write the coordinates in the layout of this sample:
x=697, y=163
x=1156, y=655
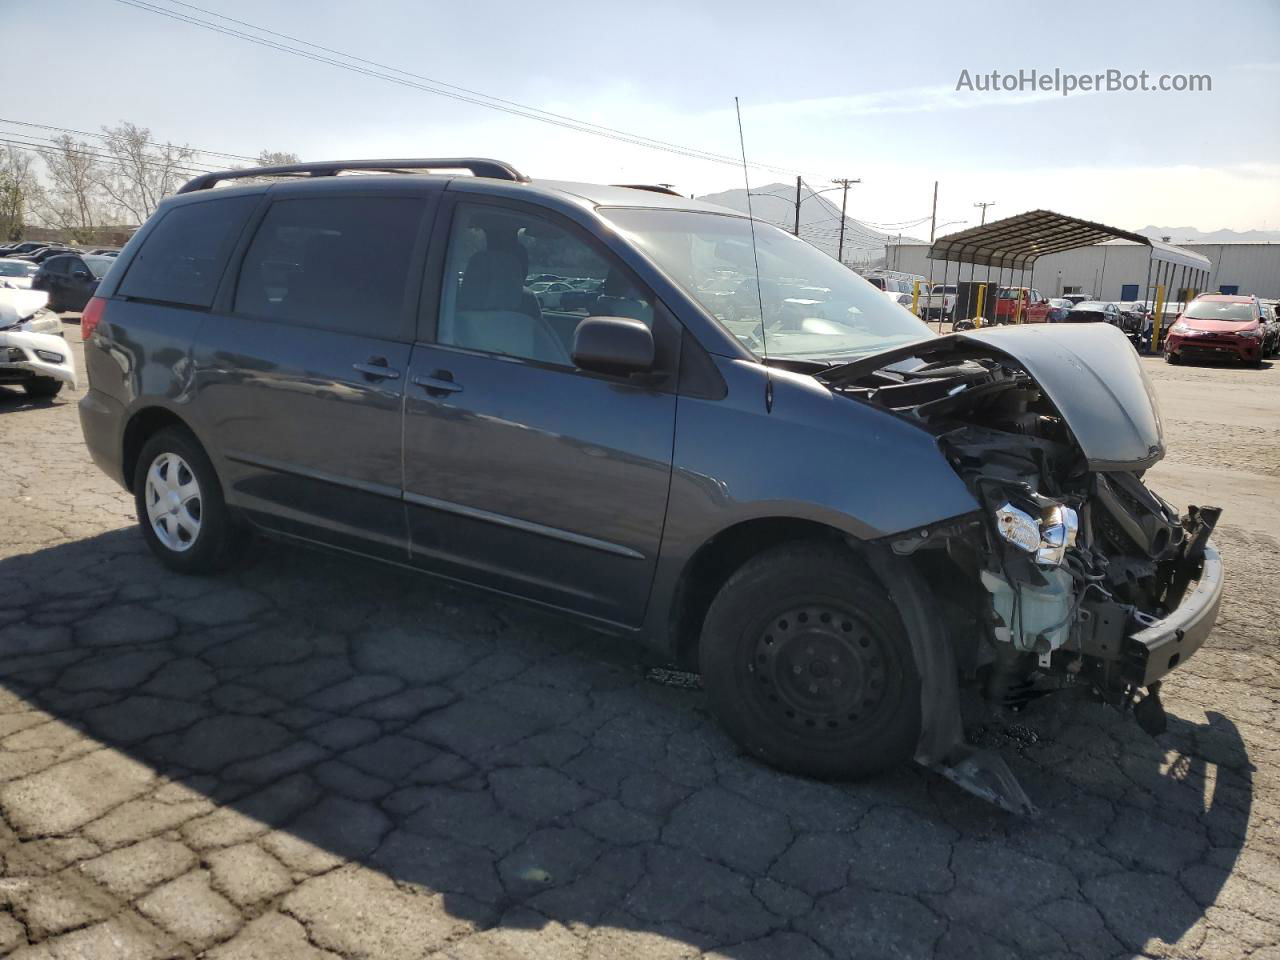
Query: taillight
x=92, y=316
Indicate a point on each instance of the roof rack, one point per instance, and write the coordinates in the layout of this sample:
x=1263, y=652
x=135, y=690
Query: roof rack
x=478, y=166
x=651, y=187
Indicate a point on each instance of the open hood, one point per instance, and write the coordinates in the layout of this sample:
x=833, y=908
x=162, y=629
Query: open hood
x=1089, y=372
x=19, y=305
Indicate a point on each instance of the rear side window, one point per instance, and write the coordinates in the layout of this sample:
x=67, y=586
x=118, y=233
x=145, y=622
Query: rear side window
x=338, y=263
x=184, y=255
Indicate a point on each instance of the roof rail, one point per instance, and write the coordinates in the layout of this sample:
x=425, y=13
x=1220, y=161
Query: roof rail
x=651, y=187
x=479, y=167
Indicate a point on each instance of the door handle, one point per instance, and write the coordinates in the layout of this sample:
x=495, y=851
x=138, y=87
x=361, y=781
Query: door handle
x=376, y=368
x=440, y=384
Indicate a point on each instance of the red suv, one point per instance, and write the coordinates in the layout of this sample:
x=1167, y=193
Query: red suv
x=1220, y=327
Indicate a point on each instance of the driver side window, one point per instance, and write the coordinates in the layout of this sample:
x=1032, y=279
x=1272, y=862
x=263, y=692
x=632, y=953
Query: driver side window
x=518, y=284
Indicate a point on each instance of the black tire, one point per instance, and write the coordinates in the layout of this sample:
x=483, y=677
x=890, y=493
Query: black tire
x=221, y=535
x=42, y=388
x=806, y=664
x=1171, y=358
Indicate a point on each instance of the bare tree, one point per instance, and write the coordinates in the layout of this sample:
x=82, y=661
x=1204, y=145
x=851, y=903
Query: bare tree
x=140, y=172
x=276, y=158
x=74, y=200
x=19, y=190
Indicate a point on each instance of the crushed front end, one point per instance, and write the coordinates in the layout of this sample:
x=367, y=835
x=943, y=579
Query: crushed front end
x=1073, y=573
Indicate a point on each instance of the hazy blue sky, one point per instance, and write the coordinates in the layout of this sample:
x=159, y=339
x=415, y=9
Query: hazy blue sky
x=827, y=89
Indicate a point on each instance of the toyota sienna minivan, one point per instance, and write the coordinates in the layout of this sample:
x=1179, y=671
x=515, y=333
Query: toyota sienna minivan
x=731, y=446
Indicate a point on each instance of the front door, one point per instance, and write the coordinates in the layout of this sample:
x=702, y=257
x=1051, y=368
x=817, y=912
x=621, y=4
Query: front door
x=301, y=380
x=522, y=473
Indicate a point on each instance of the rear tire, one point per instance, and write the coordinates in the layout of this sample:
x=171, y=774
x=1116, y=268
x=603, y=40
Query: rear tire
x=180, y=507
x=42, y=388
x=807, y=665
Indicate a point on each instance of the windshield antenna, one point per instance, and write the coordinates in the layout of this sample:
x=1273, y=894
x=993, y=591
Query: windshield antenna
x=755, y=258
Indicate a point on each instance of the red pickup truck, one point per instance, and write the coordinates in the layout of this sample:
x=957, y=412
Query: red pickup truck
x=1035, y=308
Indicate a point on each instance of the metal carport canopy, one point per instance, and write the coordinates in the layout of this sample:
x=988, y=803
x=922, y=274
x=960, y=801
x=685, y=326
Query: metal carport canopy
x=1019, y=241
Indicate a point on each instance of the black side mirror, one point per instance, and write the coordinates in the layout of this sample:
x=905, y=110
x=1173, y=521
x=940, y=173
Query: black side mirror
x=80, y=275
x=615, y=345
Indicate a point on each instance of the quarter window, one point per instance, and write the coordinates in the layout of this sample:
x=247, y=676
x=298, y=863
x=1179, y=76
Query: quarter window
x=338, y=263
x=518, y=284
x=184, y=255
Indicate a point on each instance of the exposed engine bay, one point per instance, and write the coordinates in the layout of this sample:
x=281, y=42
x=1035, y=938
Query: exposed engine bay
x=1070, y=574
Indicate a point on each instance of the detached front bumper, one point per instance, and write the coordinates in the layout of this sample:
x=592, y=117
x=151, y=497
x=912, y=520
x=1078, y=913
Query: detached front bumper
x=24, y=355
x=1162, y=645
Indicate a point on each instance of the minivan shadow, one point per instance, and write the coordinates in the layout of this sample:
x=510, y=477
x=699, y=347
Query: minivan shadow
x=526, y=771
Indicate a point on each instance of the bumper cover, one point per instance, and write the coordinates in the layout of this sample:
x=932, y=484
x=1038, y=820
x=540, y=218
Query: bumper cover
x=24, y=354
x=1162, y=645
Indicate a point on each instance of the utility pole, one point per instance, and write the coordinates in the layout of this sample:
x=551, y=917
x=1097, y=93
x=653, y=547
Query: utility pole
x=797, y=229
x=933, y=216
x=844, y=198
x=989, y=203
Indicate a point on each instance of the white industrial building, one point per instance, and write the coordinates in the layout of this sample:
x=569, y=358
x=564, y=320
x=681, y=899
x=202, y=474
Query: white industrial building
x=1115, y=270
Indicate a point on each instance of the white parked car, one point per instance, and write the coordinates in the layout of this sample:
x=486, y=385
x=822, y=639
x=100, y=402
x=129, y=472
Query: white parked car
x=549, y=292
x=16, y=274
x=33, y=353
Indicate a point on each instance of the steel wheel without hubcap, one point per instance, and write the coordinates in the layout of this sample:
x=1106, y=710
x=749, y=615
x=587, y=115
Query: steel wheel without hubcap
x=820, y=670
x=174, y=506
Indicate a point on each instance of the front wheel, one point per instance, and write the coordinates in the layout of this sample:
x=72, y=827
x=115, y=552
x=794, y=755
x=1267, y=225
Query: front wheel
x=180, y=507
x=807, y=665
x=1170, y=357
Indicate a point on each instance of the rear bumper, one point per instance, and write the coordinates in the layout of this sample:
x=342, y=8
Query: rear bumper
x=102, y=421
x=1162, y=645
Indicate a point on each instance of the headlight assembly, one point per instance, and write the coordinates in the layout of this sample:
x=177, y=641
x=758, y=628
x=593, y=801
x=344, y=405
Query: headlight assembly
x=1048, y=535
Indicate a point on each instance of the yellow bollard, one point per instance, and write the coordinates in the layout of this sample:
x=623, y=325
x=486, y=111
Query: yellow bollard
x=1155, y=322
x=915, y=298
x=982, y=299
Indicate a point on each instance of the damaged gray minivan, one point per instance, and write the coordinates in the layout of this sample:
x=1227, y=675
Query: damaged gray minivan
x=656, y=415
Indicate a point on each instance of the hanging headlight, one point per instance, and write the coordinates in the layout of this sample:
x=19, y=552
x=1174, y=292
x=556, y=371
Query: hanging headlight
x=1048, y=536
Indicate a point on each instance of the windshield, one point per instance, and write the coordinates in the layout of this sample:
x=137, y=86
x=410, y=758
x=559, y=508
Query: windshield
x=98, y=266
x=814, y=308
x=16, y=268
x=1220, y=310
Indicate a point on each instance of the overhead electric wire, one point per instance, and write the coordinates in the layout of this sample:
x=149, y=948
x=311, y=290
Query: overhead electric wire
x=52, y=150
x=429, y=85
x=106, y=136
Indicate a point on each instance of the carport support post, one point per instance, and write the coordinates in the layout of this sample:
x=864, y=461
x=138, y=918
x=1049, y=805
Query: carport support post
x=1155, y=327
x=1146, y=290
x=942, y=309
x=930, y=290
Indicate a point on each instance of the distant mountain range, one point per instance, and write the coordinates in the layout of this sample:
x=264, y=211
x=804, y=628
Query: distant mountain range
x=1192, y=235
x=819, y=219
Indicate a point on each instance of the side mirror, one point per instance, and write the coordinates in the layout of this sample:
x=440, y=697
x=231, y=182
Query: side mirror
x=615, y=345
x=81, y=275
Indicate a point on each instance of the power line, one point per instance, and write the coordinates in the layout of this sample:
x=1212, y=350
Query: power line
x=429, y=85
x=105, y=136
x=51, y=148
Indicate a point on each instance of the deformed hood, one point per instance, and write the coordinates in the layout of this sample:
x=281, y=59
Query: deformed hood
x=1090, y=372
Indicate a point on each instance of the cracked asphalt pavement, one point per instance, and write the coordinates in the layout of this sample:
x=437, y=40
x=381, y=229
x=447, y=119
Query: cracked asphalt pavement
x=316, y=757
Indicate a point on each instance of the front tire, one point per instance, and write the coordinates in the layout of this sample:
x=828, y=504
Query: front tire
x=1171, y=358
x=180, y=507
x=807, y=665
